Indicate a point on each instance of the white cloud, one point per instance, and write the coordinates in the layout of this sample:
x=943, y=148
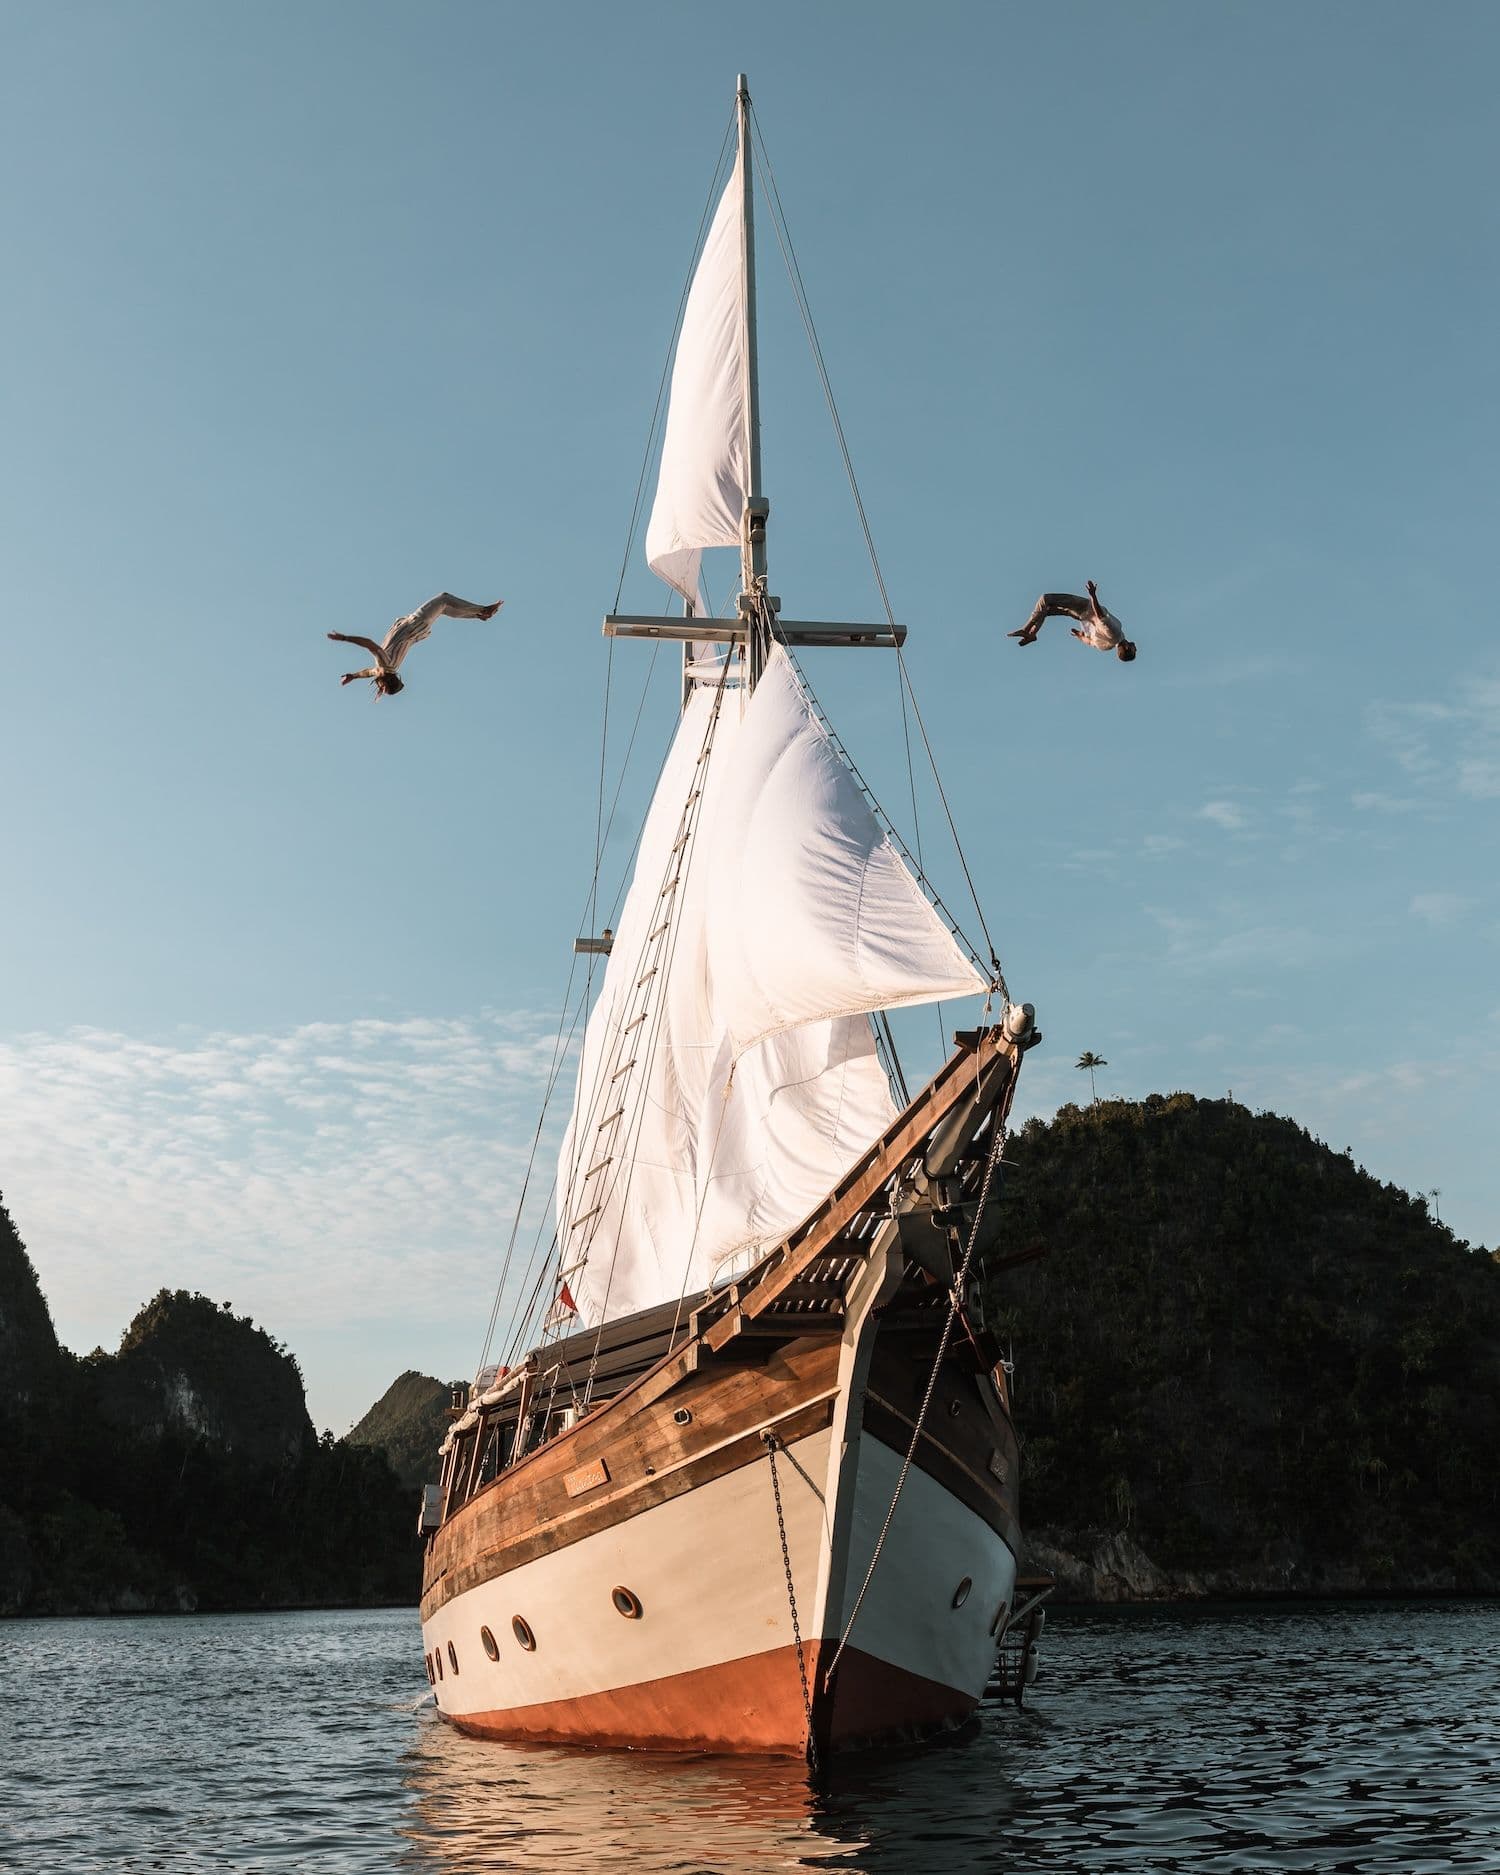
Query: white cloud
x=331, y=1174
x=1446, y=745
x=1194, y=943
x=1439, y=908
x=1223, y=814
x=1370, y=801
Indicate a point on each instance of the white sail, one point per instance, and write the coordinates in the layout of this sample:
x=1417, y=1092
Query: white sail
x=814, y=913
x=702, y=482
x=729, y=1077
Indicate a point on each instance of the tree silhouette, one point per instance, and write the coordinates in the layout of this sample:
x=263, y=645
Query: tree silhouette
x=1088, y=1059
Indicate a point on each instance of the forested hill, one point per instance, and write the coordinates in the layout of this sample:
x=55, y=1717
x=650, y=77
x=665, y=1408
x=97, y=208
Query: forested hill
x=1243, y=1364
x=181, y=1471
x=407, y=1423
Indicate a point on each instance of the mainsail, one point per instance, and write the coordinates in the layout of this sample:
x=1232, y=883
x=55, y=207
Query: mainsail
x=704, y=475
x=729, y=1075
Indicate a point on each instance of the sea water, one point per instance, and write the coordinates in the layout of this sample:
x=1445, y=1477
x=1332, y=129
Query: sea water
x=1335, y=1736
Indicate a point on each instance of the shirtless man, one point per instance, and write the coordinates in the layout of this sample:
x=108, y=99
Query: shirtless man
x=405, y=633
x=1101, y=628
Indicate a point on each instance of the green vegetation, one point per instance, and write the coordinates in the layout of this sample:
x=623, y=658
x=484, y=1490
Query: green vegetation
x=407, y=1424
x=1258, y=1364
x=1243, y=1366
x=181, y=1472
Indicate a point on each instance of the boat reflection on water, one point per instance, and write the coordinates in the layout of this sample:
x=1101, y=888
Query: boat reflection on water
x=477, y=1805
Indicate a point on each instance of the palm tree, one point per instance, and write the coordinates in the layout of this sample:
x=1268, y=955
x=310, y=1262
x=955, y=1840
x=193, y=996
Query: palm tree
x=1088, y=1059
x=1434, y=1195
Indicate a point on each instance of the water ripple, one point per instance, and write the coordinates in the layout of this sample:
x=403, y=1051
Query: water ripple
x=1337, y=1737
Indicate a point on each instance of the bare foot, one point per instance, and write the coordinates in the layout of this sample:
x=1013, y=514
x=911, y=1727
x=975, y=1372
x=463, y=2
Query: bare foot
x=489, y=611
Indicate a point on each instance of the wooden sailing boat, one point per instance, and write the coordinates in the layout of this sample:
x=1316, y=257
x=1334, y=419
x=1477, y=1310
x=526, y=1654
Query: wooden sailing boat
x=762, y=1494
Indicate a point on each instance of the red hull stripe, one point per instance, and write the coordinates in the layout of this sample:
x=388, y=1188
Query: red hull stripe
x=749, y=1705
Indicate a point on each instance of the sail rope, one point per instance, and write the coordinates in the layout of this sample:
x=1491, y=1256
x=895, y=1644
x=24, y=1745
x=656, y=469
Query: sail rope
x=534, y=1277
x=955, y=1302
x=682, y=857
x=563, y=1042
x=799, y=294
x=601, y=838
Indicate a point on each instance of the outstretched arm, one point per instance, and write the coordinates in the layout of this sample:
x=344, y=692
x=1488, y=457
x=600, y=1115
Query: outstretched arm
x=365, y=644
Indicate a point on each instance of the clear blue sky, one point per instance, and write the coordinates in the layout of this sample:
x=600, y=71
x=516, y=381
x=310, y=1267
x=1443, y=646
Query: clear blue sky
x=311, y=311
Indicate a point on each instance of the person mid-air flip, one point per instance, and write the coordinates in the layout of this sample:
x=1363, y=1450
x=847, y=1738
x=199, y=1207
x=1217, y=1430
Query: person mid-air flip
x=405, y=633
x=1101, y=628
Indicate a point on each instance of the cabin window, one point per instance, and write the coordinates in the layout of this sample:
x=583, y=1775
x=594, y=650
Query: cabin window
x=960, y=1594
x=452, y=1657
x=431, y=1676
x=437, y=1660
x=491, y=1645
x=999, y=1621
x=626, y=1602
x=522, y=1631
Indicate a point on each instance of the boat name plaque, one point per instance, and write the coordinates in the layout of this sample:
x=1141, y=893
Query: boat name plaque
x=587, y=1478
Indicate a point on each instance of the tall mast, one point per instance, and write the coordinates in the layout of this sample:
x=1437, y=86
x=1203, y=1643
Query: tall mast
x=753, y=606
x=758, y=617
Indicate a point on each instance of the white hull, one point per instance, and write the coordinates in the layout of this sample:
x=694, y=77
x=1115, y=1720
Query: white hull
x=714, y=1638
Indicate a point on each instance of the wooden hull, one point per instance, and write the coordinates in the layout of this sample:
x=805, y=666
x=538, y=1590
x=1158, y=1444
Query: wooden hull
x=686, y=1522
x=633, y=1580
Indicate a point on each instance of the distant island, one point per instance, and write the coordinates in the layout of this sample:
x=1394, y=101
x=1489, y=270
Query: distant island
x=182, y=1472
x=1243, y=1367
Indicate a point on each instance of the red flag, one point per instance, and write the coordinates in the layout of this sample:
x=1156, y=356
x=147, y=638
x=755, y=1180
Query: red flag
x=561, y=1309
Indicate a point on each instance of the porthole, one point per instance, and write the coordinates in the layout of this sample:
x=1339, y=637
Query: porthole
x=955, y=1407
x=491, y=1645
x=437, y=1660
x=682, y=1417
x=1001, y=1614
x=626, y=1602
x=452, y=1657
x=427, y=1663
x=522, y=1631
x=961, y=1593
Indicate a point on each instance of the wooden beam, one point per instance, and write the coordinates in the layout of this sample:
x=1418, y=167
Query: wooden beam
x=869, y=1175
x=722, y=631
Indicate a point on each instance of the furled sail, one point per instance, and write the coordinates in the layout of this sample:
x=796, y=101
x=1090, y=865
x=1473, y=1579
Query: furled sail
x=729, y=1077
x=701, y=486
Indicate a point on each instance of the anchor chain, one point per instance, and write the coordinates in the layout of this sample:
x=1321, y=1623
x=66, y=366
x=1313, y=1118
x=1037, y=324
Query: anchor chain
x=772, y=1445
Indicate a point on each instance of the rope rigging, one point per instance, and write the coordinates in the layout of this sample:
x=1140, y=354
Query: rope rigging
x=955, y=1303
x=799, y=293
x=559, y=1256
